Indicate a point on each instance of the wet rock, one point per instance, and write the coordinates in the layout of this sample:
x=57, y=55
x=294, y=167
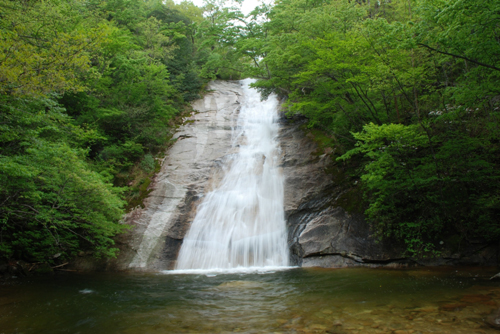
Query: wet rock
x=493, y=319
x=320, y=231
x=317, y=326
x=472, y=299
x=427, y=309
x=326, y=227
x=19, y=269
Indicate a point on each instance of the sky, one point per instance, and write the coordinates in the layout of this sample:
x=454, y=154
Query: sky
x=248, y=5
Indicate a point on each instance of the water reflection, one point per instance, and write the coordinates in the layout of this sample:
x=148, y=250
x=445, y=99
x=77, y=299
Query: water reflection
x=292, y=301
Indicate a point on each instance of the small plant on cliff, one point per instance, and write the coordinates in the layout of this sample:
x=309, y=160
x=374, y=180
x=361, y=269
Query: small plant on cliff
x=148, y=163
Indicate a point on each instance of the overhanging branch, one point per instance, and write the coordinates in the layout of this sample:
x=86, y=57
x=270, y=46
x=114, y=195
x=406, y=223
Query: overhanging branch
x=461, y=57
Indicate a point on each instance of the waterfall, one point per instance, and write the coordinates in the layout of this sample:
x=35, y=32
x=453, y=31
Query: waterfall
x=241, y=223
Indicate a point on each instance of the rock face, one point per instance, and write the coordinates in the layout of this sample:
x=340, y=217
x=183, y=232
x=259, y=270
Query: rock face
x=190, y=169
x=320, y=231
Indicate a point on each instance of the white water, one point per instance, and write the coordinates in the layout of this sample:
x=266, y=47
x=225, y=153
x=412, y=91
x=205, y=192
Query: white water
x=241, y=223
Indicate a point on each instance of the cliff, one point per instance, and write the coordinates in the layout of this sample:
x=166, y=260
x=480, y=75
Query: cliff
x=323, y=207
x=321, y=232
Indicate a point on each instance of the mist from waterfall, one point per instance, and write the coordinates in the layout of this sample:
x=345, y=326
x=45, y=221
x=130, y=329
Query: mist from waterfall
x=241, y=224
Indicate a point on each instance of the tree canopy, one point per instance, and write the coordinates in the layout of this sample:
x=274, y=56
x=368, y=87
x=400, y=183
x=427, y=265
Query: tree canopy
x=408, y=93
x=88, y=95
x=405, y=91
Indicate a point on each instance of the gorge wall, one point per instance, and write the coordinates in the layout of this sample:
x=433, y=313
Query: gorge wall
x=321, y=232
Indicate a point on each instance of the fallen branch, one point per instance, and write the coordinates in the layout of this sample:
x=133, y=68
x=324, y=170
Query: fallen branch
x=61, y=265
x=33, y=265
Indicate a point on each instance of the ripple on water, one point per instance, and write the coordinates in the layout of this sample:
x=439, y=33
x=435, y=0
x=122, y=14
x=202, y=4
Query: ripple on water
x=292, y=301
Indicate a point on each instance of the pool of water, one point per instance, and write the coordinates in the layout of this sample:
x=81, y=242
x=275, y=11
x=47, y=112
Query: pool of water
x=353, y=300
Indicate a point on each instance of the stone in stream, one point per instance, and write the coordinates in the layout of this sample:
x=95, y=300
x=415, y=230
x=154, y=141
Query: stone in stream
x=493, y=319
x=477, y=298
x=453, y=307
x=317, y=327
x=427, y=309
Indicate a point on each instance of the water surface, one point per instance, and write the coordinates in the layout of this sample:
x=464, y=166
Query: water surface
x=357, y=300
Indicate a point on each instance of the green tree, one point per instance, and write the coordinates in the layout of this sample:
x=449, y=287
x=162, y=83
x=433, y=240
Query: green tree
x=46, y=46
x=409, y=87
x=52, y=203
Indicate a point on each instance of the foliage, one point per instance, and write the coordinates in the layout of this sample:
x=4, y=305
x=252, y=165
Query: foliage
x=45, y=46
x=88, y=93
x=218, y=34
x=412, y=88
x=148, y=163
x=53, y=204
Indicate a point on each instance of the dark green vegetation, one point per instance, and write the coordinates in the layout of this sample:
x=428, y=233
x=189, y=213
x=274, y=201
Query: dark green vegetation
x=405, y=92
x=89, y=93
x=409, y=93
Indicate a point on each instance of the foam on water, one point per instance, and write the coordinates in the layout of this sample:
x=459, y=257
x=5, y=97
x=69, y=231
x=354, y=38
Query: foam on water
x=221, y=271
x=86, y=291
x=240, y=225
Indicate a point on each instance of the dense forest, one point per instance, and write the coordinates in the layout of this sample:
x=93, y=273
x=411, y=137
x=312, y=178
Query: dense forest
x=89, y=94
x=406, y=93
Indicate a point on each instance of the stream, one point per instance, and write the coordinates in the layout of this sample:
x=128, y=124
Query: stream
x=297, y=300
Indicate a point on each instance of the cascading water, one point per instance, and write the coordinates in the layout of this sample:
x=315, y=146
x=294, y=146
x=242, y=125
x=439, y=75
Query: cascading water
x=241, y=223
